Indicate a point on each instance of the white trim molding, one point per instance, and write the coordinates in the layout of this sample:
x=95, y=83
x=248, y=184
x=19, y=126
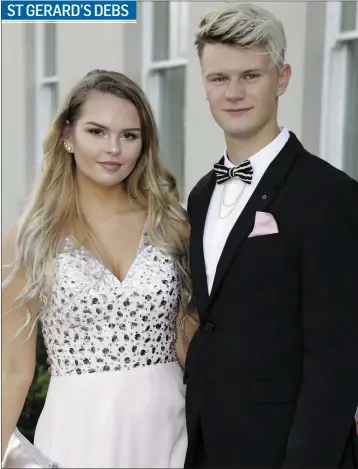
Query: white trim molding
x=46, y=86
x=170, y=36
x=178, y=20
x=335, y=76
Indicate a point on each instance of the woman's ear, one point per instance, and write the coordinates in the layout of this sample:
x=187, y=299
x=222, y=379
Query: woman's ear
x=68, y=138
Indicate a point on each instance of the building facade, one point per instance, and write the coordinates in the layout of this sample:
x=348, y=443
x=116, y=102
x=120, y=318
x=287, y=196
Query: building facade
x=41, y=62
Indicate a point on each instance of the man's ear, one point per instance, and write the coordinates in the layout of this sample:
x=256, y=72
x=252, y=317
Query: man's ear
x=283, y=79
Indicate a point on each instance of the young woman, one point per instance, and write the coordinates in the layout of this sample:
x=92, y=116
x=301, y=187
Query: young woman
x=100, y=260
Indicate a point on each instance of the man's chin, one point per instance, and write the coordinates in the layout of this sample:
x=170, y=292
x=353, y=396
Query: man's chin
x=237, y=127
x=241, y=133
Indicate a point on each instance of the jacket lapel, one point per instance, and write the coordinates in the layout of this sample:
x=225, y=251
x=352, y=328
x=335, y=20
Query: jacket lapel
x=265, y=193
x=259, y=200
x=197, y=262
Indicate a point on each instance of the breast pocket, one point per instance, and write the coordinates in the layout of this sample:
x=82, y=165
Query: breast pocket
x=269, y=240
x=266, y=264
x=268, y=252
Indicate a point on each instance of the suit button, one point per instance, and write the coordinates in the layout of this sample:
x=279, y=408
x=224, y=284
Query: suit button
x=208, y=327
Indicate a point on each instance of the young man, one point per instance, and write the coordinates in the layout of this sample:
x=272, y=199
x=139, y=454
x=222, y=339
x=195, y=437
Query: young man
x=272, y=373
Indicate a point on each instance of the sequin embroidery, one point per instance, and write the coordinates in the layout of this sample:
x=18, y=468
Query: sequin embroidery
x=97, y=323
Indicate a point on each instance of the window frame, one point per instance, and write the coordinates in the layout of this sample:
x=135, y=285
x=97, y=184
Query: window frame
x=44, y=85
x=336, y=54
x=151, y=79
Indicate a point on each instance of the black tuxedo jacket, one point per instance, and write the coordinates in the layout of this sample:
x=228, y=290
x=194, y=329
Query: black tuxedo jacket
x=272, y=373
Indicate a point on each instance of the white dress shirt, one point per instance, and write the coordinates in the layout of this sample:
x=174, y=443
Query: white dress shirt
x=229, y=199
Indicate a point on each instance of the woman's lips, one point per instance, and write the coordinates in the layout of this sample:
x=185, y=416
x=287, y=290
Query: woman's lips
x=110, y=165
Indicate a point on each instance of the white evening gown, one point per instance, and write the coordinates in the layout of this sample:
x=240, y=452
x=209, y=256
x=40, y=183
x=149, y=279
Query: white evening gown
x=116, y=395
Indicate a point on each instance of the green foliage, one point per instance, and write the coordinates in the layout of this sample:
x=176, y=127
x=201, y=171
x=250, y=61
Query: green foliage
x=37, y=394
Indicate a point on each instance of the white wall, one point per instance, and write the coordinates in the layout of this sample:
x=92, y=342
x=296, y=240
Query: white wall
x=293, y=17
x=314, y=76
x=84, y=47
x=204, y=142
x=13, y=122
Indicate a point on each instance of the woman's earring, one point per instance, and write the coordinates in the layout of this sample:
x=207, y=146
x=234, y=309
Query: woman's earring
x=67, y=147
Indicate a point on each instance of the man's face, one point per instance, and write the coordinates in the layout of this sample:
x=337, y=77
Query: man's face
x=242, y=88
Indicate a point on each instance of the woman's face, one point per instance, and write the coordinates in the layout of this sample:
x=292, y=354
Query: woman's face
x=106, y=139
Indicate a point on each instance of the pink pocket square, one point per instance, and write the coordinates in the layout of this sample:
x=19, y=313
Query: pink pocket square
x=265, y=224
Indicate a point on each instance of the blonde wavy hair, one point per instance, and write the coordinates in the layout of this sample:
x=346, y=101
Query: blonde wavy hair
x=54, y=202
x=243, y=25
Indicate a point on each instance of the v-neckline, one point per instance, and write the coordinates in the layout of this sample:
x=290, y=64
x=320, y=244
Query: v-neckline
x=142, y=245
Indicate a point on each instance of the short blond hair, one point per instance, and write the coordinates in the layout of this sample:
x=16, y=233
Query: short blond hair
x=243, y=25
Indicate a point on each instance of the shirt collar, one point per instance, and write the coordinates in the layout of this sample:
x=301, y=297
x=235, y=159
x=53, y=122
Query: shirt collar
x=262, y=159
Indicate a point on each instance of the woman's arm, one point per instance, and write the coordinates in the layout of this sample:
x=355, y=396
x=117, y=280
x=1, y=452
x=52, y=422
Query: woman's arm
x=186, y=329
x=18, y=354
x=187, y=324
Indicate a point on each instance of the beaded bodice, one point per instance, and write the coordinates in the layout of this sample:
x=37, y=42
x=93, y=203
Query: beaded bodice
x=95, y=322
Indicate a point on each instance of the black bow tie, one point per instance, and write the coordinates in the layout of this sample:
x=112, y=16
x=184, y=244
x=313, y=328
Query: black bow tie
x=244, y=171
